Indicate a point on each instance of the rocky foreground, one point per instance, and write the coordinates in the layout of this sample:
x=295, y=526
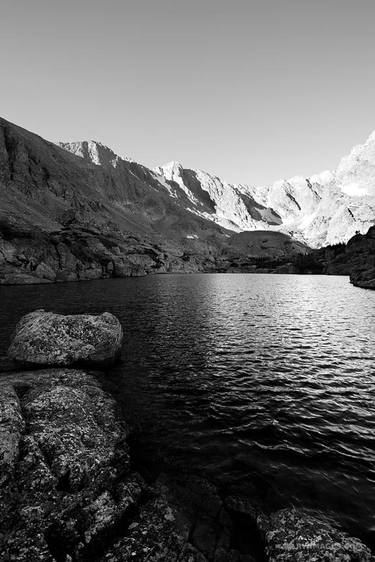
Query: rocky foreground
x=71, y=490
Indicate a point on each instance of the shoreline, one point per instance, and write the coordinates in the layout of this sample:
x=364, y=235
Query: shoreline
x=167, y=273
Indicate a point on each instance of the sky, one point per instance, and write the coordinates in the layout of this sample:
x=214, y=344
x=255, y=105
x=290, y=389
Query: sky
x=251, y=90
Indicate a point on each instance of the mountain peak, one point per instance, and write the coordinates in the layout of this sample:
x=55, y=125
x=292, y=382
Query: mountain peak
x=94, y=151
x=172, y=171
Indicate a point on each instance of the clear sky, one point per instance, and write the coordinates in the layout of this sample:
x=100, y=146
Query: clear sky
x=252, y=90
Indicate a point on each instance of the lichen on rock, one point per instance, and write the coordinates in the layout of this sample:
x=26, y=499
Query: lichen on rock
x=297, y=535
x=47, y=339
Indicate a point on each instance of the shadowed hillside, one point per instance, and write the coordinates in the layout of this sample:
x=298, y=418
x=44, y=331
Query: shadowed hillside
x=92, y=214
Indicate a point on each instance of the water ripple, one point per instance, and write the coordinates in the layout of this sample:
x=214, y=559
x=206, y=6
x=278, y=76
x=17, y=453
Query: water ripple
x=264, y=383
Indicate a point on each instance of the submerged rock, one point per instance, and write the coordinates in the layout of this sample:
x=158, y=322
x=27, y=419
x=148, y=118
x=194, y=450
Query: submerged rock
x=296, y=535
x=45, y=338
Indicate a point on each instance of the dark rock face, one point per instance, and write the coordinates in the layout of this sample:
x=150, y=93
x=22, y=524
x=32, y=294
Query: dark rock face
x=77, y=254
x=69, y=490
x=363, y=278
x=356, y=259
x=45, y=338
x=295, y=535
x=12, y=425
x=363, y=273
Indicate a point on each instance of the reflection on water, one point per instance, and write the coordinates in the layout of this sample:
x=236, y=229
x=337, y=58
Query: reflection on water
x=265, y=383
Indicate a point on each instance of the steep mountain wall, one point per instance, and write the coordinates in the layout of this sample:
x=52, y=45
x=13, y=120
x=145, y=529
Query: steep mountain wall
x=79, y=211
x=327, y=208
x=86, y=213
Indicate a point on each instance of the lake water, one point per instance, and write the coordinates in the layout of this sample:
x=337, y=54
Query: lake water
x=263, y=383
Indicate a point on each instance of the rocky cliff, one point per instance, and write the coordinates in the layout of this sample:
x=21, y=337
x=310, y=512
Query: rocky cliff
x=80, y=212
x=325, y=209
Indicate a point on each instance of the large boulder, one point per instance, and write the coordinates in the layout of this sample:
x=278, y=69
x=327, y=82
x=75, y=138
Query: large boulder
x=44, y=338
x=296, y=535
x=70, y=491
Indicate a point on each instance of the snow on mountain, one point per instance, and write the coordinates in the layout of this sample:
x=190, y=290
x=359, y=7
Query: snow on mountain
x=231, y=206
x=326, y=208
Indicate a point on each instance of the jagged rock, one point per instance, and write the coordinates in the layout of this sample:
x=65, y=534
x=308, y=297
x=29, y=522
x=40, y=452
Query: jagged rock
x=326, y=208
x=45, y=338
x=71, y=493
x=71, y=448
x=295, y=535
x=153, y=537
x=11, y=427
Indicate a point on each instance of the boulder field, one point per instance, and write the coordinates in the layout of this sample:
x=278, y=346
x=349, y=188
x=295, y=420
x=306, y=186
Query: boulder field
x=71, y=489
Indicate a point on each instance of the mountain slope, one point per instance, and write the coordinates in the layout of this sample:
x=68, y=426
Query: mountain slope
x=231, y=206
x=327, y=208
x=65, y=218
x=79, y=211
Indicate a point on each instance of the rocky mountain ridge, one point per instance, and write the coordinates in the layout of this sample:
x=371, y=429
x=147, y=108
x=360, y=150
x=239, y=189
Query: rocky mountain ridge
x=86, y=213
x=327, y=208
x=79, y=211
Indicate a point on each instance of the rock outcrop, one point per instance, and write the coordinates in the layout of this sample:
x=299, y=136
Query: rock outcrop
x=364, y=278
x=356, y=259
x=69, y=490
x=361, y=250
x=296, y=535
x=44, y=338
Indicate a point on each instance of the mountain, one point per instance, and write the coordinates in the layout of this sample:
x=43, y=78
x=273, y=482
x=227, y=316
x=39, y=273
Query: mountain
x=327, y=208
x=231, y=206
x=79, y=211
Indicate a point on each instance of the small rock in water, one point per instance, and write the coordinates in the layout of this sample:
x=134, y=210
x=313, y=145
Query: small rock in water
x=44, y=338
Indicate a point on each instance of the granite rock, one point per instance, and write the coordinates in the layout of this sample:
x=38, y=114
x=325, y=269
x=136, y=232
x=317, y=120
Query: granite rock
x=296, y=535
x=45, y=338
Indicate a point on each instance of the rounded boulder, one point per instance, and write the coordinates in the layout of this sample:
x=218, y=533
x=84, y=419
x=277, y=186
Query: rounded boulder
x=45, y=338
